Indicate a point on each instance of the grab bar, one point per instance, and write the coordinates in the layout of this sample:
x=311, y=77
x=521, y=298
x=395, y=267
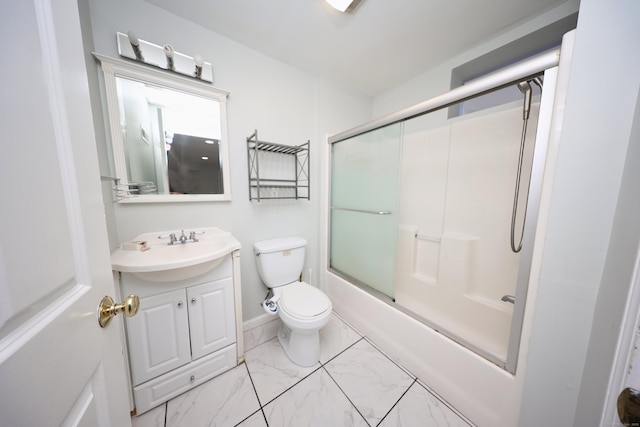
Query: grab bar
x=362, y=211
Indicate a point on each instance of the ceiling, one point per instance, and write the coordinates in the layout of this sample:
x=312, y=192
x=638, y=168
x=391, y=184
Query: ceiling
x=379, y=45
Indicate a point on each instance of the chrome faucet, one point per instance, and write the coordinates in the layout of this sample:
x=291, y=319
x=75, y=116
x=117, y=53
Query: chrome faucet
x=174, y=240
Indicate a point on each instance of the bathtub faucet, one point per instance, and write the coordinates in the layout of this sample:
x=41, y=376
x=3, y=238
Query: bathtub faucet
x=509, y=298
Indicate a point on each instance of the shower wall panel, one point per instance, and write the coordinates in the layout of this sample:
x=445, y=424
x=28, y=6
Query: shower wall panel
x=454, y=258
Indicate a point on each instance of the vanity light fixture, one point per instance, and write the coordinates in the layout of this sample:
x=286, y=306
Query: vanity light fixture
x=163, y=57
x=168, y=51
x=199, y=63
x=344, y=5
x=135, y=44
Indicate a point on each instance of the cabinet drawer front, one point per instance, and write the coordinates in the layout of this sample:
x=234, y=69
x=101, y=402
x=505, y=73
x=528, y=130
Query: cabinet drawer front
x=161, y=389
x=211, y=316
x=158, y=336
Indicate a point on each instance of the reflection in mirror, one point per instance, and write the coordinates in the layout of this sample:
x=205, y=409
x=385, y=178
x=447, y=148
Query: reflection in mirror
x=168, y=131
x=168, y=134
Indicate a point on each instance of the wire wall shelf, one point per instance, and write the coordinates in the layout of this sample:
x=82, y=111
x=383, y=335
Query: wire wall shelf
x=277, y=171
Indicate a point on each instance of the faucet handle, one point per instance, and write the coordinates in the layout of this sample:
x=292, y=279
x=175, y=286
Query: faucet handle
x=172, y=238
x=192, y=236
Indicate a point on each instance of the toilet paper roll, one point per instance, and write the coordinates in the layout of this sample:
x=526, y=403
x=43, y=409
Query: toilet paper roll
x=270, y=307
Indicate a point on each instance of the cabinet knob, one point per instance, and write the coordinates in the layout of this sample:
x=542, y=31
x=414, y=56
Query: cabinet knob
x=179, y=303
x=193, y=378
x=193, y=300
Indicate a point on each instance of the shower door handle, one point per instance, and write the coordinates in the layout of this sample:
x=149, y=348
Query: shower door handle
x=361, y=211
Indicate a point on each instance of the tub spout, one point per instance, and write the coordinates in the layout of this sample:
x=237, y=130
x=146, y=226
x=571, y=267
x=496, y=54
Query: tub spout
x=509, y=298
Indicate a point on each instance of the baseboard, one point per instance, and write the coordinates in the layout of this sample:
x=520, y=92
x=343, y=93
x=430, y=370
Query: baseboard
x=258, y=321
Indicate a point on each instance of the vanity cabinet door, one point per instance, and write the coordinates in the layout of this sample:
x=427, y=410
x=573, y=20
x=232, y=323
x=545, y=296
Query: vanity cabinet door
x=159, y=335
x=211, y=316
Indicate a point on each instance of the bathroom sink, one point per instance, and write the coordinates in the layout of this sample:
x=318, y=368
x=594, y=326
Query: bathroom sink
x=163, y=262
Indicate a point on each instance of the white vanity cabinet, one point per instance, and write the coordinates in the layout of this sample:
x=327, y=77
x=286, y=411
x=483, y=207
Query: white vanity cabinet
x=211, y=317
x=185, y=332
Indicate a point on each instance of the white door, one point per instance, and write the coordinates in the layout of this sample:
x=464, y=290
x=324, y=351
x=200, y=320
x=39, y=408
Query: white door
x=623, y=397
x=57, y=366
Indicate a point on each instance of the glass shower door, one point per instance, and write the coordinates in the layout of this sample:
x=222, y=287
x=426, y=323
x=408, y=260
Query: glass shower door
x=364, y=200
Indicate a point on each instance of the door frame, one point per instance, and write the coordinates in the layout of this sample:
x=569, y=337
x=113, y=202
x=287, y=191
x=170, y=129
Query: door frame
x=625, y=356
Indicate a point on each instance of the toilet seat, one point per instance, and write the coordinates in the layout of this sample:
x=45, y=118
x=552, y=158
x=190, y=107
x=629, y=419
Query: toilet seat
x=304, y=301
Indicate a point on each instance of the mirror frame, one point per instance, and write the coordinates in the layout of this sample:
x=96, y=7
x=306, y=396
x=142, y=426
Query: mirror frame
x=113, y=68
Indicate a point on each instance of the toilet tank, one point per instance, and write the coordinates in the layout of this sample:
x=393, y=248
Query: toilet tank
x=280, y=260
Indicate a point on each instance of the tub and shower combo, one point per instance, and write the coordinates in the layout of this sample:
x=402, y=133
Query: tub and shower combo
x=433, y=213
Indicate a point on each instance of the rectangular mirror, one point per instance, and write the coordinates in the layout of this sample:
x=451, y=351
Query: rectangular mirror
x=168, y=134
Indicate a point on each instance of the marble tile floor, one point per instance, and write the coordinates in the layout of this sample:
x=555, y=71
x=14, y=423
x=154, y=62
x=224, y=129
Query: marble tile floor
x=353, y=384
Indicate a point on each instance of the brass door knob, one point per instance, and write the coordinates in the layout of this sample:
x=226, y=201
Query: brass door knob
x=629, y=407
x=108, y=308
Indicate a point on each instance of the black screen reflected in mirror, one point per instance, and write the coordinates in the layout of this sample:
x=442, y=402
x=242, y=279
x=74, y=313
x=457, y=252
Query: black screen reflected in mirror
x=194, y=165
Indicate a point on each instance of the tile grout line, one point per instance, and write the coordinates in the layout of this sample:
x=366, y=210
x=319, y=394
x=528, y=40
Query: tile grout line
x=257, y=398
x=351, y=345
x=363, y=337
x=166, y=412
x=415, y=377
x=444, y=402
x=420, y=383
x=299, y=381
x=415, y=380
x=292, y=386
x=402, y=368
x=345, y=395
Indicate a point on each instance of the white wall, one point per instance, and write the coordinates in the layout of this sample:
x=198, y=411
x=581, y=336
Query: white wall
x=438, y=80
x=618, y=274
x=285, y=105
x=573, y=300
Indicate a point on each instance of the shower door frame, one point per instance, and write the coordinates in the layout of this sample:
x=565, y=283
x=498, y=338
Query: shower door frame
x=546, y=63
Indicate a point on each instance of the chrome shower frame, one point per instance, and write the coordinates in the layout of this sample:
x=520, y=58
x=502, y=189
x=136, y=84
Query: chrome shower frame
x=528, y=70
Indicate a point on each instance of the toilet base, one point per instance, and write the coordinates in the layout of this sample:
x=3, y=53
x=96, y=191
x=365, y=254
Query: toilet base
x=302, y=348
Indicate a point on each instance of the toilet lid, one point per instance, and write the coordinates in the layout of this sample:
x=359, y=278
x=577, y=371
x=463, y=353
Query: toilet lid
x=303, y=300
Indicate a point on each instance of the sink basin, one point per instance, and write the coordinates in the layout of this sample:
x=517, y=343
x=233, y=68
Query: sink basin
x=167, y=263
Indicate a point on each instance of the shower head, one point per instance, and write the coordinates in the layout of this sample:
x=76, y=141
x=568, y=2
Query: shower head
x=525, y=88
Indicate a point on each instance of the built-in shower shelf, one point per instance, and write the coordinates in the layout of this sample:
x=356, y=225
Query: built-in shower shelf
x=277, y=171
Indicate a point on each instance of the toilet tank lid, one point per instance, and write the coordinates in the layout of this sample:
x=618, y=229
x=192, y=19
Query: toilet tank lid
x=279, y=244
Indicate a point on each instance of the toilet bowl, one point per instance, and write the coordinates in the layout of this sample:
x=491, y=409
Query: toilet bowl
x=303, y=309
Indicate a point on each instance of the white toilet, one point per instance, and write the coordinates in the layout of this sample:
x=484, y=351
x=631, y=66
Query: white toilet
x=304, y=309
